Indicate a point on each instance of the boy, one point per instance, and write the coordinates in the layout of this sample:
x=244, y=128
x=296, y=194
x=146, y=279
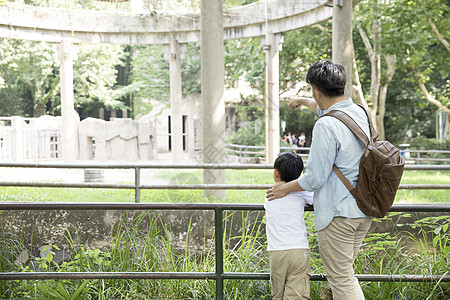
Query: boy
x=286, y=234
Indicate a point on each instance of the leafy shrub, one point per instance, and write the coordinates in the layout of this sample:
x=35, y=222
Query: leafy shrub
x=251, y=135
x=423, y=143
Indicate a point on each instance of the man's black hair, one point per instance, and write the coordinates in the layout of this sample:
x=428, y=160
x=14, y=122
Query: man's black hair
x=327, y=77
x=289, y=165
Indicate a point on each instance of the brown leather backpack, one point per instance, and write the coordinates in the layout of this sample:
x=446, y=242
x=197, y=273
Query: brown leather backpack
x=380, y=170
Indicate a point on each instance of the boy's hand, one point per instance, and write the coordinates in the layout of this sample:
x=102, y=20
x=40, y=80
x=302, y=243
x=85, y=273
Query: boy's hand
x=277, y=191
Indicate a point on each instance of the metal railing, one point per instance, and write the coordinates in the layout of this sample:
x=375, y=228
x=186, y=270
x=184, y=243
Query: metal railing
x=137, y=186
x=411, y=156
x=246, y=151
x=420, y=156
x=219, y=275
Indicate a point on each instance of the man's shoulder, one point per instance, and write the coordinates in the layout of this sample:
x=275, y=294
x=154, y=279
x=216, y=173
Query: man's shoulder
x=353, y=110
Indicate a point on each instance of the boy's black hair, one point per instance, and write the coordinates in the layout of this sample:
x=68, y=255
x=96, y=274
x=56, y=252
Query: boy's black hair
x=289, y=165
x=327, y=77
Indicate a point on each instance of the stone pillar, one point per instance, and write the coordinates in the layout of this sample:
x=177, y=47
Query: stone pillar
x=17, y=138
x=176, y=118
x=342, y=39
x=69, y=136
x=272, y=43
x=213, y=106
x=101, y=113
x=191, y=137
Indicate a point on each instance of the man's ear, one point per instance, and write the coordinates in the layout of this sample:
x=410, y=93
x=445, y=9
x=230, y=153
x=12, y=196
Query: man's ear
x=318, y=93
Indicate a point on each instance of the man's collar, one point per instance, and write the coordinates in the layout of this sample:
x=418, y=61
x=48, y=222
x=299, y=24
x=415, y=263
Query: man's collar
x=339, y=105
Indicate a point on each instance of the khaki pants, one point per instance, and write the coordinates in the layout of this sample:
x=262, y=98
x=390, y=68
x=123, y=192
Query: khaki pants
x=289, y=274
x=339, y=244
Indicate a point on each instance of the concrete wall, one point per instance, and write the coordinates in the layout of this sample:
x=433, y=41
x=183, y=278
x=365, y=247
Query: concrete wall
x=118, y=139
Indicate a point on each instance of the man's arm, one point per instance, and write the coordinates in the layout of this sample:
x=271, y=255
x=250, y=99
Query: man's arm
x=282, y=188
x=299, y=101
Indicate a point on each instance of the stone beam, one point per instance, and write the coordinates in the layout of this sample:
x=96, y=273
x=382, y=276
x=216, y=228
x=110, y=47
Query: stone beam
x=18, y=21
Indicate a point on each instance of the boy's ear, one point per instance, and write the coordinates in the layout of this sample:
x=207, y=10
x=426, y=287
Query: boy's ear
x=276, y=173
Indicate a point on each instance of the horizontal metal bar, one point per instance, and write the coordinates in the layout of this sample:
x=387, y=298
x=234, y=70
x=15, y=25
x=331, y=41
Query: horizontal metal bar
x=205, y=275
x=185, y=186
x=422, y=207
x=403, y=278
x=361, y=277
x=67, y=185
x=424, y=186
x=132, y=166
x=174, y=166
x=209, y=186
x=125, y=206
x=268, y=186
x=424, y=151
x=106, y=275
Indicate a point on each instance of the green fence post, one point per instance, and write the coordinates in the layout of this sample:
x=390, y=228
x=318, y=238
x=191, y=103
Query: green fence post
x=218, y=228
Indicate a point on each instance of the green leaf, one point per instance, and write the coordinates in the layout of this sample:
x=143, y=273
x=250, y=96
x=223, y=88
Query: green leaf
x=60, y=286
x=436, y=240
x=82, y=290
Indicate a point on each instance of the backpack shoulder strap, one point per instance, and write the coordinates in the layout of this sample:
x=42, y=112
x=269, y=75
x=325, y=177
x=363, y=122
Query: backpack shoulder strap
x=374, y=135
x=357, y=130
x=342, y=177
x=351, y=124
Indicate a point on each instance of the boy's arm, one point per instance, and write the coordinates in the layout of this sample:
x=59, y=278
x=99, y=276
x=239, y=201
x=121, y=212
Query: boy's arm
x=299, y=101
x=308, y=197
x=281, y=189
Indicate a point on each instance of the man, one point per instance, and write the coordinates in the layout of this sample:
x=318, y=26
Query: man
x=341, y=226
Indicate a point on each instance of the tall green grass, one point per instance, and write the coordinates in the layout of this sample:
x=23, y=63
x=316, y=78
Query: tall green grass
x=144, y=243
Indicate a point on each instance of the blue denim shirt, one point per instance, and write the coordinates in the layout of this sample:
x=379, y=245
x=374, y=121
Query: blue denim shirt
x=334, y=143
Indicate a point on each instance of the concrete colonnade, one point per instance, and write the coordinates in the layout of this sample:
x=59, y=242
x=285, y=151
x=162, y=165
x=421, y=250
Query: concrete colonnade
x=211, y=29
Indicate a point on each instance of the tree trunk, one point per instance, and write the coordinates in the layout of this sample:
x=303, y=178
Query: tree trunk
x=375, y=62
x=432, y=100
x=391, y=61
x=447, y=128
x=357, y=89
x=438, y=35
